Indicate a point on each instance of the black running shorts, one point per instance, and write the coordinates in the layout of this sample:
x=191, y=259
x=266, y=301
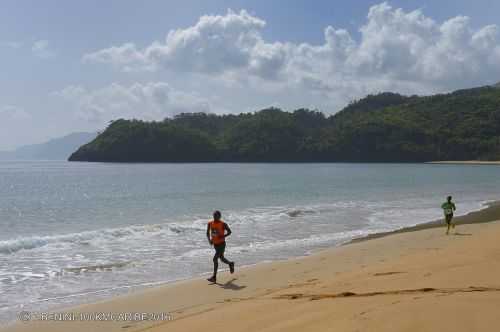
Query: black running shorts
x=220, y=248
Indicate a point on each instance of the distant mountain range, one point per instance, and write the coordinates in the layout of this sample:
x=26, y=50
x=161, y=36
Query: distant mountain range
x=54, y=149
x=387, y=127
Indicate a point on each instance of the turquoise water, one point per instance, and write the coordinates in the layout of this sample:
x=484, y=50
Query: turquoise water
x=77, y=232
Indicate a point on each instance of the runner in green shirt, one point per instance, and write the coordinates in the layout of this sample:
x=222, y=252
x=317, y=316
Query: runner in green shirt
x=448, y=208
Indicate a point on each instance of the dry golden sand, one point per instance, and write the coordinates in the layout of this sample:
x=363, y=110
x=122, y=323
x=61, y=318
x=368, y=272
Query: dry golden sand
x=414, y=281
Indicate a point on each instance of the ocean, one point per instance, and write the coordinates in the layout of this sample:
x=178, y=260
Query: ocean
x=80, y=232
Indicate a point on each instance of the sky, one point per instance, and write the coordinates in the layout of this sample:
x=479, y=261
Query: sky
x=68, y=66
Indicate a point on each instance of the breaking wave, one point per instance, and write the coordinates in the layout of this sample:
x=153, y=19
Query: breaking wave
x=88, y=237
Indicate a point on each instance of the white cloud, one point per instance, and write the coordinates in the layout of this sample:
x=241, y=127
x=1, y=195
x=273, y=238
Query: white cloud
x=149, y=101
x=397, y=50
x=42, y=50
x=215, y=44
x=126, y=57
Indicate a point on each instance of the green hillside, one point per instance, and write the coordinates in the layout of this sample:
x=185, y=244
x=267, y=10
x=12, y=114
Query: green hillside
x=387, y=127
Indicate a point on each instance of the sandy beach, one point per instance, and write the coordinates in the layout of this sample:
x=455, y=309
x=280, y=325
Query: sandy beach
x=419, y=280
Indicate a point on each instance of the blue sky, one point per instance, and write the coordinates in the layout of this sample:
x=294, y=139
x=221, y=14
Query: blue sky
x=73, y=66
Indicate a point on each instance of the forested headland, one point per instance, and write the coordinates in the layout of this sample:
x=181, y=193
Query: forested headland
x=387, y=127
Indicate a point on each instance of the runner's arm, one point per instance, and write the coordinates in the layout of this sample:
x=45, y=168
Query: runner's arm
x=208, y=234
x=228, y=230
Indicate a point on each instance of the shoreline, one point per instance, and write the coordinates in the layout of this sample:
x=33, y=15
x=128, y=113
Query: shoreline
x=463, y=162
x=488, y=214
x=110, y=294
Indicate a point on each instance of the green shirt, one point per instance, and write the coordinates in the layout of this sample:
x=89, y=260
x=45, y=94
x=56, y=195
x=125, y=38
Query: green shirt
x=448, y=208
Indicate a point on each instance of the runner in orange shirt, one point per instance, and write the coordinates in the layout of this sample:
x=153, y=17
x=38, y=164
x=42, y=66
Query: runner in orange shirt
x=216, y=235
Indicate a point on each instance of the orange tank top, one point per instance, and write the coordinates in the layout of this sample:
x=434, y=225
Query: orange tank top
x=217, y=231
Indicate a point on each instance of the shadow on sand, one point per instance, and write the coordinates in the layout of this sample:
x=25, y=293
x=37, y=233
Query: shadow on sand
x=231, y=285
x=462, y=234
